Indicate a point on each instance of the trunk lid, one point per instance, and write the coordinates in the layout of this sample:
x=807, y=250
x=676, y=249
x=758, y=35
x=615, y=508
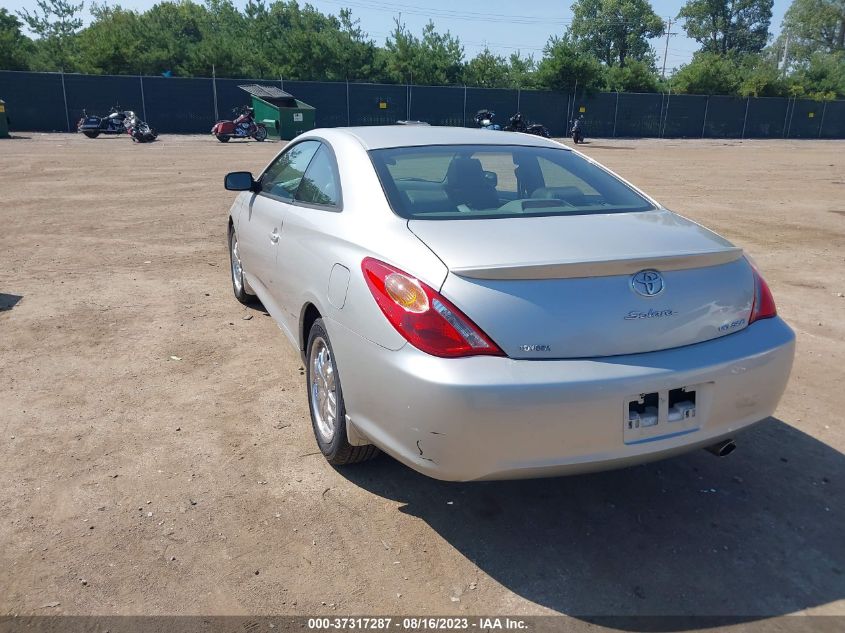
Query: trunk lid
x=574, y=286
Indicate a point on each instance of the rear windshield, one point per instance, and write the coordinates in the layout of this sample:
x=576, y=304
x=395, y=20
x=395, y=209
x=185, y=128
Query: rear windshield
x=448, y=182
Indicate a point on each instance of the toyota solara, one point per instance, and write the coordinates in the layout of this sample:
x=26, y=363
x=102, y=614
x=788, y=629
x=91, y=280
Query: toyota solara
x=488, y=305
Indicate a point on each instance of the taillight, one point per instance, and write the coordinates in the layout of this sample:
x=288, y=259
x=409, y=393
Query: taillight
x=422, y=316
x=764, y=303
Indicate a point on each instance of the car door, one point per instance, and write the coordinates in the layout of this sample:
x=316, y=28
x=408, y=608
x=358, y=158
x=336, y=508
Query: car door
x=307, y=251
x=259, y=232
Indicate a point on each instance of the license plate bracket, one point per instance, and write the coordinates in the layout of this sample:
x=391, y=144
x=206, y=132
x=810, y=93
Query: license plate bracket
x=657, y=415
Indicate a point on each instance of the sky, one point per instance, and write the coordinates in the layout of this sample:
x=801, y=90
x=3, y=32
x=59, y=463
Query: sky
x=504, y=27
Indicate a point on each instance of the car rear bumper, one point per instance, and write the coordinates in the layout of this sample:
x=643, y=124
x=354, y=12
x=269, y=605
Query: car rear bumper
x=498, y=418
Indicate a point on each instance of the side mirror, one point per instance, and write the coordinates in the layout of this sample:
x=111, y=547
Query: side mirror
x=239, y=181
x=492, y=178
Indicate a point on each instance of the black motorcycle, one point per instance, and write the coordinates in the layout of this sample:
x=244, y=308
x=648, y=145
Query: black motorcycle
x=518, y=124
x=92, y=125
x=484, y=119
x=577, y=130
x=137, y=129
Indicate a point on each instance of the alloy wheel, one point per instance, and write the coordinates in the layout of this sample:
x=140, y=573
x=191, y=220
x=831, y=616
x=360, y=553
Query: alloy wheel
x=323, y=389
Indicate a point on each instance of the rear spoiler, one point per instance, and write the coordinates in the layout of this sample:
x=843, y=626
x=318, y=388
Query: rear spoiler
x=601, y=268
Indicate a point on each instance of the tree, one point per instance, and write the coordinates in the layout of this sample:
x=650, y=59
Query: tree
x=111, y=44
x=223, y=41
x=400, y=53
x=15, y=47
x=815, y=26
x=353, y=50
x=615, y=30
x=306, y=44
x=762, y=78
x=522, y=71
x=709, y=73
x=564, y=66
x=435, y=59
x=822, y=77
x=606, y=48
x=723, y=26
x=487, y=70
x=443, y=56
x=635, y=76
x=56, y=23
x=169, y=31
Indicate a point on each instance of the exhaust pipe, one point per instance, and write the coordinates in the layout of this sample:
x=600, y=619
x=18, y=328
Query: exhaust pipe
x=721, y=449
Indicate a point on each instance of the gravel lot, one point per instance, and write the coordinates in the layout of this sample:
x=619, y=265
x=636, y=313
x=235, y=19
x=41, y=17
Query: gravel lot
x=157, y=455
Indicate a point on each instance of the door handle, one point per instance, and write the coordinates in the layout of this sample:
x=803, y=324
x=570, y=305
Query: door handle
x=274, y=236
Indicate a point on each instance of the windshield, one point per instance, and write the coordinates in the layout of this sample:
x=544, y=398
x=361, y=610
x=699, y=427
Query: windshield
x=449, y=182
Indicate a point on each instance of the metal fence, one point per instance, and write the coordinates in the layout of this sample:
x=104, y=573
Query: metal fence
x=54, y=102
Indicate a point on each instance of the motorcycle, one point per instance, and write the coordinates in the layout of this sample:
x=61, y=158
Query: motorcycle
x=577, y=130
x=137, y=129
x=518, y=124
x=484, y=120
x=243, y=126
x=92, y=125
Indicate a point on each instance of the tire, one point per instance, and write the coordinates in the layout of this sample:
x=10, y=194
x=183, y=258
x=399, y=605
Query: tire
x=260, y=133
x=237, y=272
x=325, y=393
x=91, y=134
x=222, y=138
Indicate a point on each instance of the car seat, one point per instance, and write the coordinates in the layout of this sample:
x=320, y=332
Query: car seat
x=466, y=185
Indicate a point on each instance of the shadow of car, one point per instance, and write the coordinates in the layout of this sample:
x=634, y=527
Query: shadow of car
x=748, y=537
x=8, y=301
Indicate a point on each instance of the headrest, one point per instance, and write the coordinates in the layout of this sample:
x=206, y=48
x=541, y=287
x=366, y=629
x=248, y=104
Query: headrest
x=464, y=171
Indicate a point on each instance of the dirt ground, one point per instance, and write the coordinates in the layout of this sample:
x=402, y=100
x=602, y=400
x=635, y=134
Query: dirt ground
x=157, y=456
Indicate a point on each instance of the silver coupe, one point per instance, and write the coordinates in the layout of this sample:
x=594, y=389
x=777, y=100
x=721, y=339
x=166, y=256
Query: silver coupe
x=488, y=305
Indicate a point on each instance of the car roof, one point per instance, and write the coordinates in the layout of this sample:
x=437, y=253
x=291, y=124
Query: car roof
x=384, y=136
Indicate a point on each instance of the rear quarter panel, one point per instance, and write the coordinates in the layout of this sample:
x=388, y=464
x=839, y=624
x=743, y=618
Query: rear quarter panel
x=317, y=240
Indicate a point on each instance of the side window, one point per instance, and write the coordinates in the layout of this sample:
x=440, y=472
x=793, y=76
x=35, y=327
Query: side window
x=283, y=176
x=320, y=184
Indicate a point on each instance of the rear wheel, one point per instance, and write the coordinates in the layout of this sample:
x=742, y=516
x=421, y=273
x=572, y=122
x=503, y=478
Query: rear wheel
x=325, y=402
x=91, y=134
x=222, y=138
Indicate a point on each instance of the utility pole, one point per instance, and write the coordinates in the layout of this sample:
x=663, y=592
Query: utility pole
x=786, y=53
x=213, y=88
x=666, y=48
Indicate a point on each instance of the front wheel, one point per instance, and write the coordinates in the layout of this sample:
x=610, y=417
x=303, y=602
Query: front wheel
x=325, y=402
x=260, y=133
x=91, y=134
x=237, y=270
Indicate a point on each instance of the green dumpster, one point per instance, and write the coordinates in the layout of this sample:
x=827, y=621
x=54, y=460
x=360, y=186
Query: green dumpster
x=282, y=114
x=4, y=120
